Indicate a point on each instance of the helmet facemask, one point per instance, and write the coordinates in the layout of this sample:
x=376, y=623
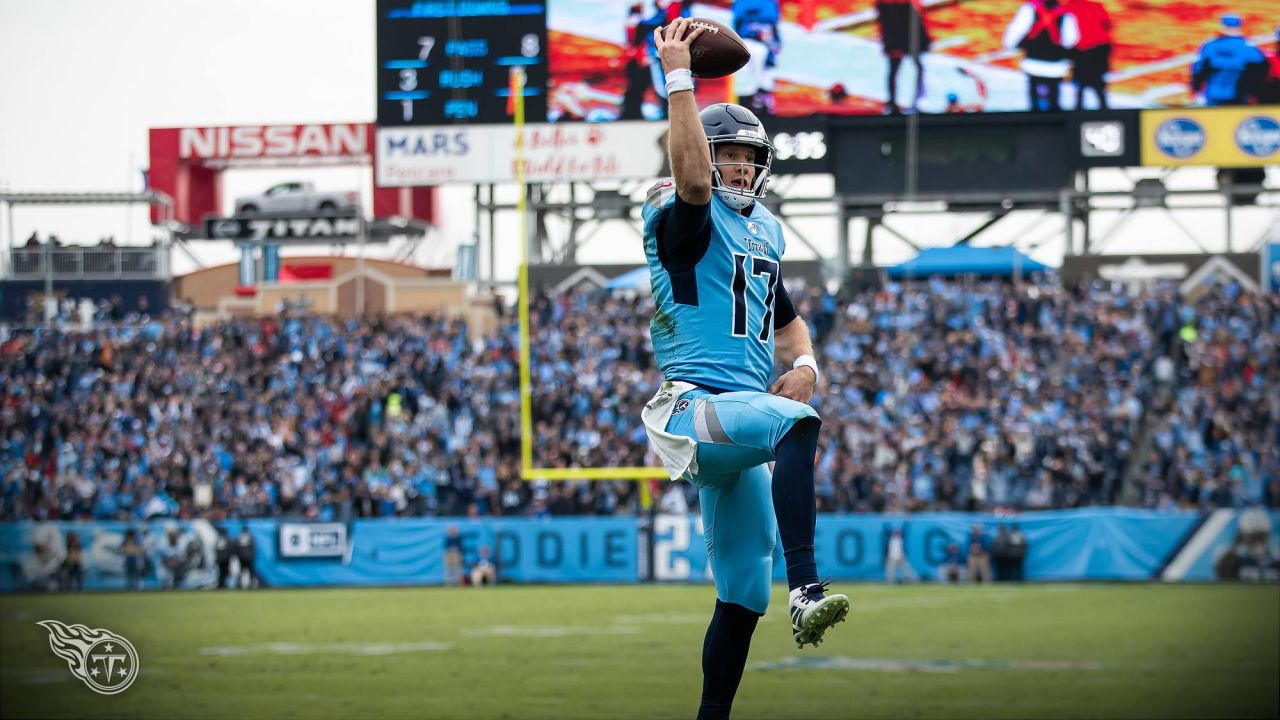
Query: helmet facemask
x=735, y=197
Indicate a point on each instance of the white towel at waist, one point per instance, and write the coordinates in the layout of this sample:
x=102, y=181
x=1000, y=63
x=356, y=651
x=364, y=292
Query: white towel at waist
x=678, y=454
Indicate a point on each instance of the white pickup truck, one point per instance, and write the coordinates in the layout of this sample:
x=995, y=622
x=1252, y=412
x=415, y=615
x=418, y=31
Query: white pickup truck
x=296, y=197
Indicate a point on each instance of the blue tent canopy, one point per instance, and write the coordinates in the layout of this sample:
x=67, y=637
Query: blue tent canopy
x=637, y=279
x=965, y=260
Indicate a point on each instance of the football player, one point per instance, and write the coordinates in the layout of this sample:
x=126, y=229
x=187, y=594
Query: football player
x=722, y=319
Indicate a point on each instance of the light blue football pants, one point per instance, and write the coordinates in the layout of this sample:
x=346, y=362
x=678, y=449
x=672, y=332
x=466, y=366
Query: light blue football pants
x=736, y=434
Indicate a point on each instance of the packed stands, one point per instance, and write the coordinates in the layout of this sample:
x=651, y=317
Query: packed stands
x=938, y=395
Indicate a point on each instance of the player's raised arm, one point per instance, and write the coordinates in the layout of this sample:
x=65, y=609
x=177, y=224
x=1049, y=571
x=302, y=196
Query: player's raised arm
x=690, y=154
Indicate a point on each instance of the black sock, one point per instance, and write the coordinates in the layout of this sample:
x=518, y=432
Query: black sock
x=724, y=655
x=793, y=500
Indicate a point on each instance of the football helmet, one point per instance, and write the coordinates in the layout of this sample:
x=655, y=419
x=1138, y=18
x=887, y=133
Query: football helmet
x=728, y=124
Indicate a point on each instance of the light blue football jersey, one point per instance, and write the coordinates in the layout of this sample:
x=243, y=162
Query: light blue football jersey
x=713, y=325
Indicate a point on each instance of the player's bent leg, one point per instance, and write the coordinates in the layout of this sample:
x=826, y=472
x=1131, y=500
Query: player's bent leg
x=737, y=519
x=794, y=500
x=733, y=435
x=790, y=429
x=738, y=527
x=735, y=428
x=755, y=420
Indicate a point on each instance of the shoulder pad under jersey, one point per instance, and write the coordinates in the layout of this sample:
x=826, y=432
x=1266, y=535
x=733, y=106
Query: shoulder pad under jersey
x=660, y=194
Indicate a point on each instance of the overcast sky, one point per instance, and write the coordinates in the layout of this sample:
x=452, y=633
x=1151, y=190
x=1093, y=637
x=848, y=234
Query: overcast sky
x=83, y=80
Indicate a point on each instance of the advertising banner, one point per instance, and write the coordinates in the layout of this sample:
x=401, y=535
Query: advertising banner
x=249, y=142
x=487, y=153
x=293, y=227
x=312, y=540
x=1228, y=137
x=1065, y=545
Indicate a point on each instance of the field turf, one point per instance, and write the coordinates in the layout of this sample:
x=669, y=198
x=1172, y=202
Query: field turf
x=1133, y=651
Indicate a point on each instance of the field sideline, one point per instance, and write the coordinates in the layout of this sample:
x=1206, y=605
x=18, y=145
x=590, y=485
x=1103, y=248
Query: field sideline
x=634, y=652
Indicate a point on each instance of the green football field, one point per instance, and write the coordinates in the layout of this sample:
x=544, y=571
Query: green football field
x=1134, y=651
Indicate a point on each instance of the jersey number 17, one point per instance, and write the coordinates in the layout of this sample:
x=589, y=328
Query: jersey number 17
x=760, y=267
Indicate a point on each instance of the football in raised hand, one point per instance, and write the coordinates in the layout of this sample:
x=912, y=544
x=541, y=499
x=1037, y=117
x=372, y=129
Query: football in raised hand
x=718, y=51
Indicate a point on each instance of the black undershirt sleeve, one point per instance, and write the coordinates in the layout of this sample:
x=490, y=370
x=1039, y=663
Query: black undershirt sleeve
x=684, y=234
x=783, y=310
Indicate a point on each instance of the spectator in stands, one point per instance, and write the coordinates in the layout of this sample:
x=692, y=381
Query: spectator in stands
x=135, y=559
x=1000, y=554
x=223, y=551
x=951, y=569
x=483, y=572
x=1229, y=69
x=452, y=556
x=895, y=559
x=73, y=564
x=979, y=562
x=1017, y=553
x=936, y=396
x=246, y=553
x=173, y=557
x=40, y=570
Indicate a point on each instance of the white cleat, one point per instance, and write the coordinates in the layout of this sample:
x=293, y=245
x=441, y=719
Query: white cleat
x=812, y=613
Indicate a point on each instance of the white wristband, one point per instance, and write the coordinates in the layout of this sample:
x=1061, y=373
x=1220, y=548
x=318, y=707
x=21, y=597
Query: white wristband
x=679, y=79
x=809, y=362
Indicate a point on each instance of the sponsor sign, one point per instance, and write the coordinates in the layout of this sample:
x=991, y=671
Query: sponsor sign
x=1104, y=139
x=1234, y=137
x=312, y=540
x=322, y=228
x=348, y=140
x=439, y=155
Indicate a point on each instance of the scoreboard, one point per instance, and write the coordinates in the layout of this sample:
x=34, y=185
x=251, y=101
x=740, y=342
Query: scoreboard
x=443, y=62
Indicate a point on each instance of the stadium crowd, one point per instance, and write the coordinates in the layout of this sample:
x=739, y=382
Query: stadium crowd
x=940, y=395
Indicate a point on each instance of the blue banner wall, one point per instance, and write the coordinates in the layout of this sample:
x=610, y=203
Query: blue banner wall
x=378, y=552
x=1101, y=544
x=411, y=552
x=1092, y=544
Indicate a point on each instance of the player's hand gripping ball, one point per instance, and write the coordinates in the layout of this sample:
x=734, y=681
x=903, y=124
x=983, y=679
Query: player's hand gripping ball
x=715, y=52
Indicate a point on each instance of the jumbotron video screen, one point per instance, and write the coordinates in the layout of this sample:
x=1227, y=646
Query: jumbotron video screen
x=838, y=57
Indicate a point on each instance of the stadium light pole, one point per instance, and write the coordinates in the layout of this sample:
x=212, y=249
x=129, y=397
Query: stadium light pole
x=913, y=120
x=11, y=242
x=50, y=306
x=360, y=233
